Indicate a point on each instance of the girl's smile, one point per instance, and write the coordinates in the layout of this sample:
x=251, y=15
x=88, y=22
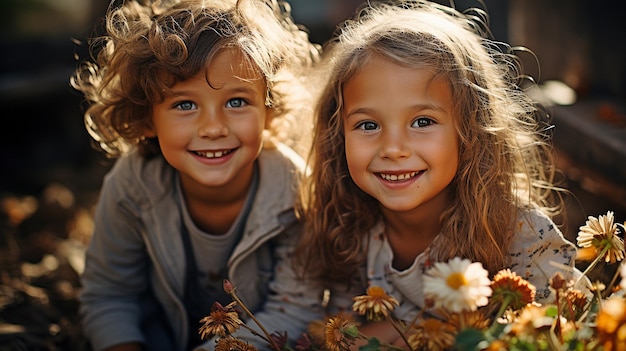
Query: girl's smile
x=400, y=136
x=398, y=176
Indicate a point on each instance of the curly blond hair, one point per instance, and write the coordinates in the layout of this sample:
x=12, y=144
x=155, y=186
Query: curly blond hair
x=148, y=48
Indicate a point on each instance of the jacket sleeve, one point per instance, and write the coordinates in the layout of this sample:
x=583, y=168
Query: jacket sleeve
x=115, y=270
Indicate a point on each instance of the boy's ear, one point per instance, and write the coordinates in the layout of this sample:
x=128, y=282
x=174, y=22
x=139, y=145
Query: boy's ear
x=149, y=132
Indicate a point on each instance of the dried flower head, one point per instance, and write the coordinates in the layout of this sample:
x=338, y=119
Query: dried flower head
x=341, y=333
x=376, y=305
x=431, y=334
x=575, y=302
x=221, y=321
x=512, y=289
x=458, y=285
x=611, y=324
x=601, y=233
x=233, y=344
x=557, y=282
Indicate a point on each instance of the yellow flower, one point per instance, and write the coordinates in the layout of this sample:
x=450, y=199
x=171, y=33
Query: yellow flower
x=508, y=287
x=232, y=344
x=601, y=234
x=222, y=321
x=458, y=285
x=431, y=334
x=611, y=324
x=341, y=333
x=376, y=305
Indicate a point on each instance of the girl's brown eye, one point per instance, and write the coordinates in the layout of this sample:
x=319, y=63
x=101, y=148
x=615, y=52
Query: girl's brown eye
x=422, y=122
x=367, y=125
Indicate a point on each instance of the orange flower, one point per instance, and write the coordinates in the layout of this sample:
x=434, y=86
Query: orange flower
x=431, y=334
x=468, y=319
x=376, y=305
x=515, y=290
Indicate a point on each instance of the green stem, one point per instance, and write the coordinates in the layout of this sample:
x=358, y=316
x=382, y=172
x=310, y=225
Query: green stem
x=593, y=264
x=505, y=304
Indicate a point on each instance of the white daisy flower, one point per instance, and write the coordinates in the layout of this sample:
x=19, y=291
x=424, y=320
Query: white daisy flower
x=458, y=285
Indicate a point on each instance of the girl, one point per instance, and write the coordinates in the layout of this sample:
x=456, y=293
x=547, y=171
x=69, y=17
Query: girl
x=425, y=149
x=190, y=98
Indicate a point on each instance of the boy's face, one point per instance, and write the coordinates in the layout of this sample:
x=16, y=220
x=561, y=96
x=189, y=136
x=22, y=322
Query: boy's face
x=212, y=132
x=402, y=147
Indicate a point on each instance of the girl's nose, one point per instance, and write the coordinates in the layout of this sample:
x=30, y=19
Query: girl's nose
x=394, y=146
x=212, y=126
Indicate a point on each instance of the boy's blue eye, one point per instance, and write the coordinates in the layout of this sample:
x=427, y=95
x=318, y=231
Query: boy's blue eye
x=237, y=102
x=367, y=125
x=422, y=122
x=185, y=105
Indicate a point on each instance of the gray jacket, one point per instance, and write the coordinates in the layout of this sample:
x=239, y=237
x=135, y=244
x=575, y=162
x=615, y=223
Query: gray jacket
x=135, y=256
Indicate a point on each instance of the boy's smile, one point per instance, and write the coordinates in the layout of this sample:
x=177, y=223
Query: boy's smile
x=210, y=128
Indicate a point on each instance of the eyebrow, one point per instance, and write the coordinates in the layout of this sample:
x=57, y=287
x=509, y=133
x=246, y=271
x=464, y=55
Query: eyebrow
x=369, y=110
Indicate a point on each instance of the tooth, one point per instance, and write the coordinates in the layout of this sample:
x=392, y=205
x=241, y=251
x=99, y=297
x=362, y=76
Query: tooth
x=219, y=154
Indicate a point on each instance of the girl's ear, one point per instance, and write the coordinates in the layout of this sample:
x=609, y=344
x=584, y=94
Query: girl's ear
x=269, y=116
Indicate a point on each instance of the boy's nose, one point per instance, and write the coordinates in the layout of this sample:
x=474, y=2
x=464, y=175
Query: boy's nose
x=212, y=126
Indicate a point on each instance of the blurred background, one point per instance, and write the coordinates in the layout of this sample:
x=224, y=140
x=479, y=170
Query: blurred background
x=52, y=174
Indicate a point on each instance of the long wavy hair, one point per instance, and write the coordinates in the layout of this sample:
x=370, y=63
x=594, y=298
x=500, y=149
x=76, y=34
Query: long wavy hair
x=149, y=48
x=505, y=160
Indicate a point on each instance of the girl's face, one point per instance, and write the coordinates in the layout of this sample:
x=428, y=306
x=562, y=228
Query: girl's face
x=212, y=132
x=401, y=143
